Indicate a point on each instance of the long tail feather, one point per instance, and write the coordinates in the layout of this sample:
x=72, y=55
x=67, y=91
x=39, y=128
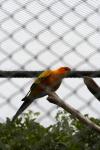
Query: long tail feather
x=25, y=104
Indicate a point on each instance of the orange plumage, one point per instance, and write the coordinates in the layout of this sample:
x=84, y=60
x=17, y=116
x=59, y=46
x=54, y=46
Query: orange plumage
x=50, y=79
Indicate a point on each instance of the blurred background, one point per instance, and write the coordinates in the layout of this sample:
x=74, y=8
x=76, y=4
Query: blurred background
x=40, y=34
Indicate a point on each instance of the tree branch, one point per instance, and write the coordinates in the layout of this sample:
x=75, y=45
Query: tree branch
x=55, y=99
x=92, y=87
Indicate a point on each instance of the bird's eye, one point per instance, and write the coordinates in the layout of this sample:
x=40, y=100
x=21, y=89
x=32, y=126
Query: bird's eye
x=67, y=69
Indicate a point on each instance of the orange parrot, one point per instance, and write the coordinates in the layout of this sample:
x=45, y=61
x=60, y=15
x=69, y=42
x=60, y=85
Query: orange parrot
x=50, y=80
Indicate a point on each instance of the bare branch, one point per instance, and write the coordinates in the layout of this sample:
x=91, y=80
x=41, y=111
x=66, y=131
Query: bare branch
x=92, y=87
x=55, y=99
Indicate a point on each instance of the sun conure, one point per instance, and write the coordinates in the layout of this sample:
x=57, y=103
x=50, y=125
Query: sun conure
x=47, y=80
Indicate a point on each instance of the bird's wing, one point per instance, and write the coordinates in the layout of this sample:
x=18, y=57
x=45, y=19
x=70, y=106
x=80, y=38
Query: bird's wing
x=43, y=76
x=27, y=100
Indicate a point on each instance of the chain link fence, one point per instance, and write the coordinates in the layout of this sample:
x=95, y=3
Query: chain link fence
x=39, y=34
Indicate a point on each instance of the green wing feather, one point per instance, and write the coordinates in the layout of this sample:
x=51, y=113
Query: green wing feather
x=43, y=76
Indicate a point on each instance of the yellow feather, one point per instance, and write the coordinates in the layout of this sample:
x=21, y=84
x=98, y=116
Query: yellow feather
x=43, y=76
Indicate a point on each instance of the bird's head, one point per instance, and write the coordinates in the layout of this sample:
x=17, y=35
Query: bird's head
x=63, y=71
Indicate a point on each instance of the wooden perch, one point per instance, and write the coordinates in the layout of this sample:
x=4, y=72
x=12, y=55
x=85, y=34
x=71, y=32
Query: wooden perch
x=55, y=99
x=92, y=87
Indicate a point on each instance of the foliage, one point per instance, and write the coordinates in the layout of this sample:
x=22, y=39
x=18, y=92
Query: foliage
x=67, y=134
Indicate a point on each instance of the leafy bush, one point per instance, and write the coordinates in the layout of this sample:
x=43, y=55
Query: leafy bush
x=67, y=134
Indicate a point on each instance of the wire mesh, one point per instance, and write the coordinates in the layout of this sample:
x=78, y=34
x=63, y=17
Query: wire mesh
x=39, y=34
